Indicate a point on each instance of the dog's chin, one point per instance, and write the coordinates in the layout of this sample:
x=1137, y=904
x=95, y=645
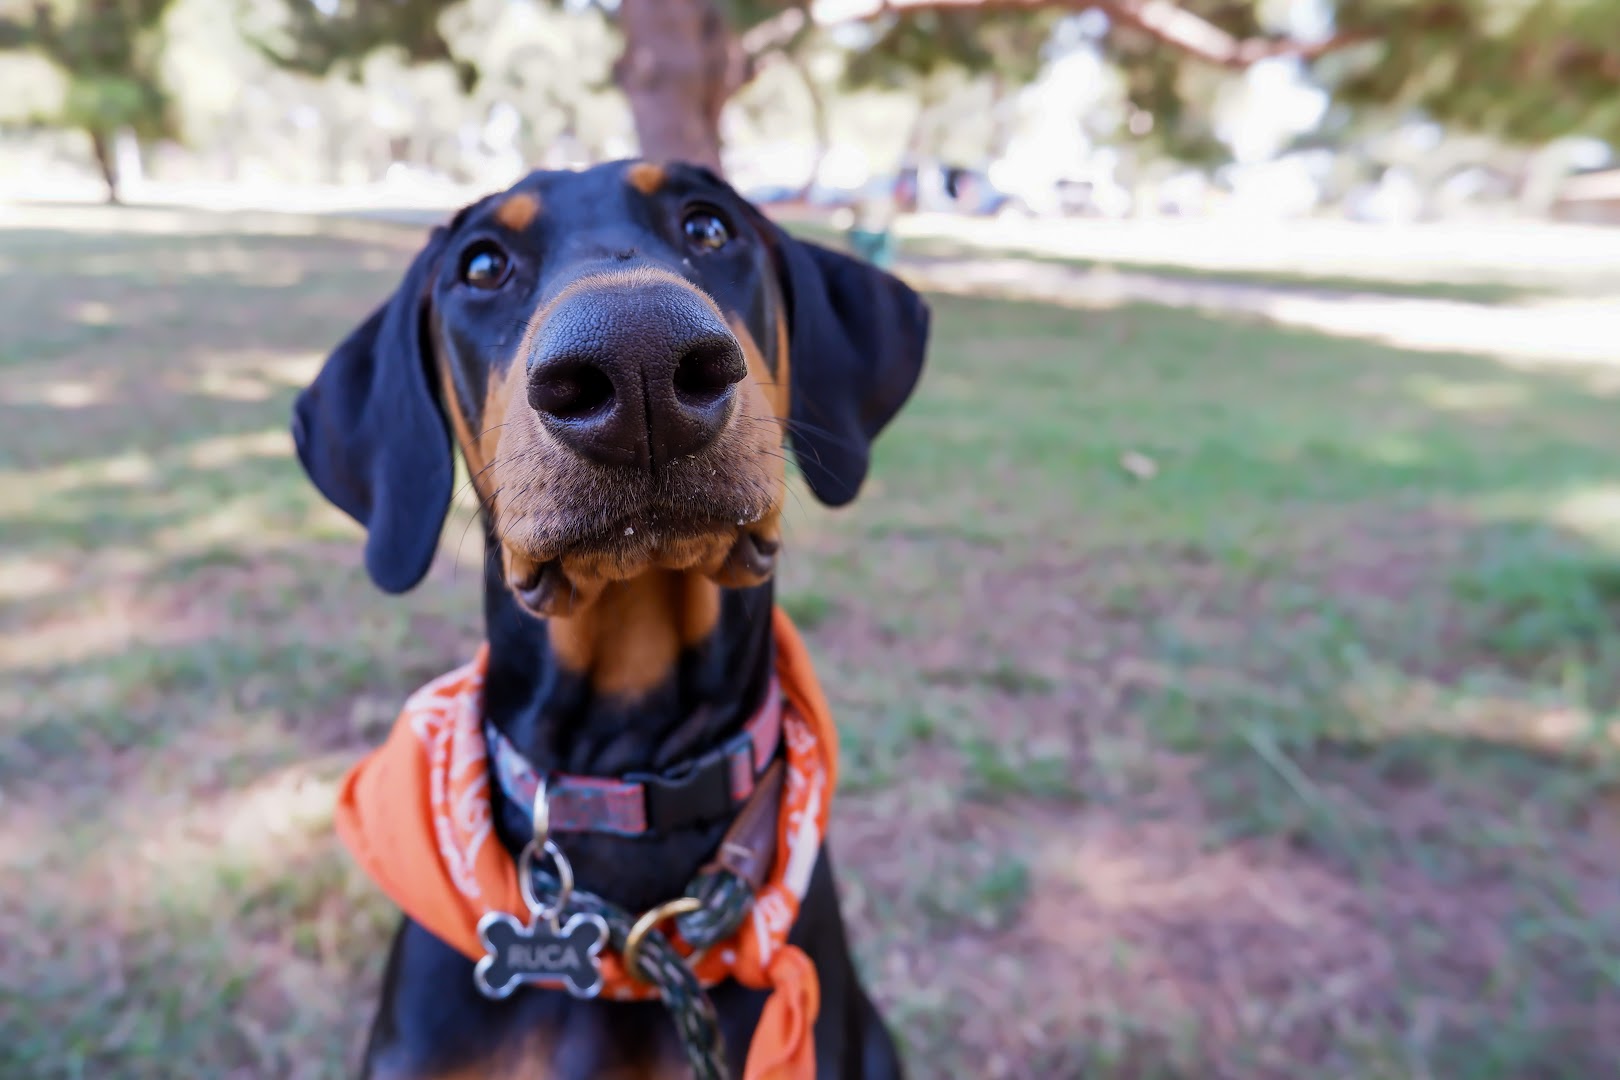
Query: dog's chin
x=559, y=577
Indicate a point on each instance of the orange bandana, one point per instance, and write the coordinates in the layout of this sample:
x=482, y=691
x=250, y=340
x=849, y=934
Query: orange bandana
x=416, y=815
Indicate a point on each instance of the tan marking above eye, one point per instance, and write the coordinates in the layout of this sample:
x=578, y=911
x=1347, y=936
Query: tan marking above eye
x=518, y=211
x=645, y=177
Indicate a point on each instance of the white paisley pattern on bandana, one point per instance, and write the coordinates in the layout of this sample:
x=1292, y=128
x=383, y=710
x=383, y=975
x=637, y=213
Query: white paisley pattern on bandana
x=459, y=781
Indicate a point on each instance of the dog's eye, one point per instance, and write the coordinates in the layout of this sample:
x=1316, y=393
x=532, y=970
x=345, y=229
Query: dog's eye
x=484, y=266
x=705, y=230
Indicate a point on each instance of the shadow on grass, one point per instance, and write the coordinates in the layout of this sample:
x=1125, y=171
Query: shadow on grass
x=120, y=341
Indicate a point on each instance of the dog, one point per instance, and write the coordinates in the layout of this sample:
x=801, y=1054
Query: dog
x=624, y=356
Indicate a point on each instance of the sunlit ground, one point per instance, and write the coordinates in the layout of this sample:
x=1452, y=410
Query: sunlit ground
x=1220, y=698
x=1461, y=256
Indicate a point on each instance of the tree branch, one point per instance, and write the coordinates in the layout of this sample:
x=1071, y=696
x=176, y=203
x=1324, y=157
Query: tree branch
x=1164, y=20
x=1182, y=29
x=776, y=32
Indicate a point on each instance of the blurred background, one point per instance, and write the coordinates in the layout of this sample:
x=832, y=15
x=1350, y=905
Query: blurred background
x=1225, y=648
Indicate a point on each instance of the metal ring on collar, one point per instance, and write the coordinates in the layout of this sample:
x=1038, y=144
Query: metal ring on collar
x=565, y=881
x=649, y=919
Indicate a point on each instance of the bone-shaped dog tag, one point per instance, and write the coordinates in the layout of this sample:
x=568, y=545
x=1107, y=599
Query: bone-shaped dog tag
x=540, y=954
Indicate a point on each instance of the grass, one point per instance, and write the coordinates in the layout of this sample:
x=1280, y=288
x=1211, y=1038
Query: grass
x=1294, y=757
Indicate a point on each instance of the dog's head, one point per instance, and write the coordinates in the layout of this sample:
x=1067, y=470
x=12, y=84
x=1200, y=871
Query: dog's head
x=619, y=354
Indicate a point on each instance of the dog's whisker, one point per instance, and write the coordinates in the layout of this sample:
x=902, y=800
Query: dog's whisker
x=476, y=515
x=472, y=479
x=827, y=434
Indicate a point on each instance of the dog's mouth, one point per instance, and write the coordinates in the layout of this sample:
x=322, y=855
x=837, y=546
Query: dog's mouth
x=556, y=586
x=551, y=574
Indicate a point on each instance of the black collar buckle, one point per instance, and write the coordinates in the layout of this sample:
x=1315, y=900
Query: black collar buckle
x=694, y=793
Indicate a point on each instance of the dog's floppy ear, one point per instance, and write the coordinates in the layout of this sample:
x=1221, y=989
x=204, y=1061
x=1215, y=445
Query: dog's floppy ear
x=856, y=342
x=372, y=435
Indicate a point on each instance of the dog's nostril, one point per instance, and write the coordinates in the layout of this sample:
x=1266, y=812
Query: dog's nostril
x=706, y=371
x=571, y=392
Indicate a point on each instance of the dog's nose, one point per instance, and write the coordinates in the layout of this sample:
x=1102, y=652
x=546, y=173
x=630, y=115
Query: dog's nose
x=635, y=374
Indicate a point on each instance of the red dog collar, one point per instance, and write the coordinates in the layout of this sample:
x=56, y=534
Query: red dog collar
x=706, y=789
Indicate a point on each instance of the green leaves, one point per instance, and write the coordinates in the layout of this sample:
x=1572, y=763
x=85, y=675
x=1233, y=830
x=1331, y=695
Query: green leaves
x=926, y=42
x=315, y=39
x=1525, y=70
x=108, y=102
x=109, y=54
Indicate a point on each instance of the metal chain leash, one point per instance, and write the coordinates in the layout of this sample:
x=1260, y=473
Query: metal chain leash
x=725, y=898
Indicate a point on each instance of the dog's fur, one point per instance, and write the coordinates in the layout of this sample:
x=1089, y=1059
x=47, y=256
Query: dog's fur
x=627, y=608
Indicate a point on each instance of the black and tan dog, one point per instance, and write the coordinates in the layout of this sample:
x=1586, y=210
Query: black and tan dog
x=622, y=355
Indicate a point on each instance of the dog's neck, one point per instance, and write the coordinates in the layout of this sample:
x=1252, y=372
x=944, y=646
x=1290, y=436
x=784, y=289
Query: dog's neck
x=655, y=673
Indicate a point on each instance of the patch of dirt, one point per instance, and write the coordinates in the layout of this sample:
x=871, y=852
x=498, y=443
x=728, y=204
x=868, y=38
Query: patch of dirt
x=1376, y=553
x=1127, y=921
x=1244, y=960
x=975, y=615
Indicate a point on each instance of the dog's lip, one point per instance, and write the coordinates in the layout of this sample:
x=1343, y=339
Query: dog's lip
x=541, y=584
x=649, y=525
x=637, y=531
x=753, y=554
x=629, y=539
x=539, y=588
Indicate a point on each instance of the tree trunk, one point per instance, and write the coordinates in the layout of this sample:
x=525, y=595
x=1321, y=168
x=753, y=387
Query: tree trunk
x=1004, y=113
x=107, y=160
x=680, y=64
